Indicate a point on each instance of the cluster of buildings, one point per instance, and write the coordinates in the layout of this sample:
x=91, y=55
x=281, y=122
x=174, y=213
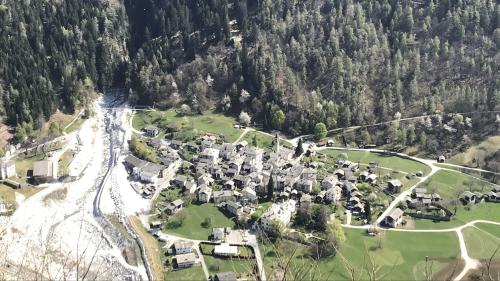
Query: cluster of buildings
x=144, y=170
x=469, y=197
x=233, y=176
x=230, y=175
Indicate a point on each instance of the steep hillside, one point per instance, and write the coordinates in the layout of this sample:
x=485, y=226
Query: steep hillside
x=291, y=64
x=336, y=62
x=53, y=53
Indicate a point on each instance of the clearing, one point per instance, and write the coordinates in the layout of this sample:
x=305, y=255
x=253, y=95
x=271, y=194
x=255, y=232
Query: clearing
x=195, y=214
x=241, y=267
x=152, y=247
x=189, y=126
x=264, y=141
x=24, y=165
x=485, y=210
x=8, y=194
x=478, y=152
x=194, y=273
x=397, y=255
x=450, y=185
x=482, y=240
x=387, y=161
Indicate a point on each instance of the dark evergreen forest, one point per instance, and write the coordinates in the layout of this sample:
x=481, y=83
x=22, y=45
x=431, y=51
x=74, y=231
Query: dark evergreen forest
x=289, y=63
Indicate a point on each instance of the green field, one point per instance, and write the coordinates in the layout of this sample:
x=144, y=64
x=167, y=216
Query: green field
x=480, y=151
x=264, y=141
x=208, y=122
x=194, y=273
x=23, y=165
x=400, y=257
x=195, y=215
x=451, y=184
x=75, y=125
x=482, y=211
x=391, y=162
x=482, y=240
x=242, y=268
x=8, y=194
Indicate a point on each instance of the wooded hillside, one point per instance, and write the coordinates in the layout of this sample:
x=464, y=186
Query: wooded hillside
x=289, y=63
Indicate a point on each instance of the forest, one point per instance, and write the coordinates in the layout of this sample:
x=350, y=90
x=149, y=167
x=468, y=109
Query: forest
x=290, y=64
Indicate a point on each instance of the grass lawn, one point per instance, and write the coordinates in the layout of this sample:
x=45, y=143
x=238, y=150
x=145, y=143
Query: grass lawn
x=152, y=247
x=450, y=184
x=242, y=267
x=64, y=162
x=208, y=122
x=8, y=194
x=61, y=118
x=195, y=215
x=391, y=162
x=263, y=140
x=481, y=243
x=482, y=211
x=480, y=151
x=262, y=208
x=26, y=164
x=194, y=273
x=491, y=228
x=400, y=257
x=75, y=125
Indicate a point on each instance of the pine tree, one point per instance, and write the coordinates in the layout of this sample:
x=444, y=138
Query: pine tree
x=299, y=149
x=270, y=188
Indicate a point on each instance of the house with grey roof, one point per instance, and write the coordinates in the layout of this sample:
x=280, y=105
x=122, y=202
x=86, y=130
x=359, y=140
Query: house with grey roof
x=220, y=196
x=185, y=260
x=304, y=185
x=209, y=156
x=329, y=182
x=333, y=194
x=225, y=276
x=394, y=186
x=233, y=208
x=174, y=207
x=179, y=181
x=182, y=247
x=204, y=194
x=151, y=131
x=44, y=171
x=227, y=151
x=218, y=234
x=468, y=198
x=395, y=218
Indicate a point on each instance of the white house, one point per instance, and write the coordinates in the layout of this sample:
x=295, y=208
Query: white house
x=185, y=260
x=7, y=169
x=278, y=212
x=329, y=182
x=218, y=234
x=183, y=247
x=249, y=194
x=305, y=185
x=225, y=250
x=205, y=179
x=204, y=194
x=209, y=156
x=333, y=194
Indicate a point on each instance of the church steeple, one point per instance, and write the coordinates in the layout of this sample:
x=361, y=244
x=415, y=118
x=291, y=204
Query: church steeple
x=277, y=143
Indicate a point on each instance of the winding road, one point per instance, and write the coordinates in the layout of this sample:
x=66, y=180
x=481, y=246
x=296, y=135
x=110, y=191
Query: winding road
x=470, y=263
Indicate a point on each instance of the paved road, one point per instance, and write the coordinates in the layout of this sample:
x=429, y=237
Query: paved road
x=397, y=120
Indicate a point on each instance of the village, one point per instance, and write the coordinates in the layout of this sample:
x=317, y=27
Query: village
x=215, y=206
x=266, y=190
